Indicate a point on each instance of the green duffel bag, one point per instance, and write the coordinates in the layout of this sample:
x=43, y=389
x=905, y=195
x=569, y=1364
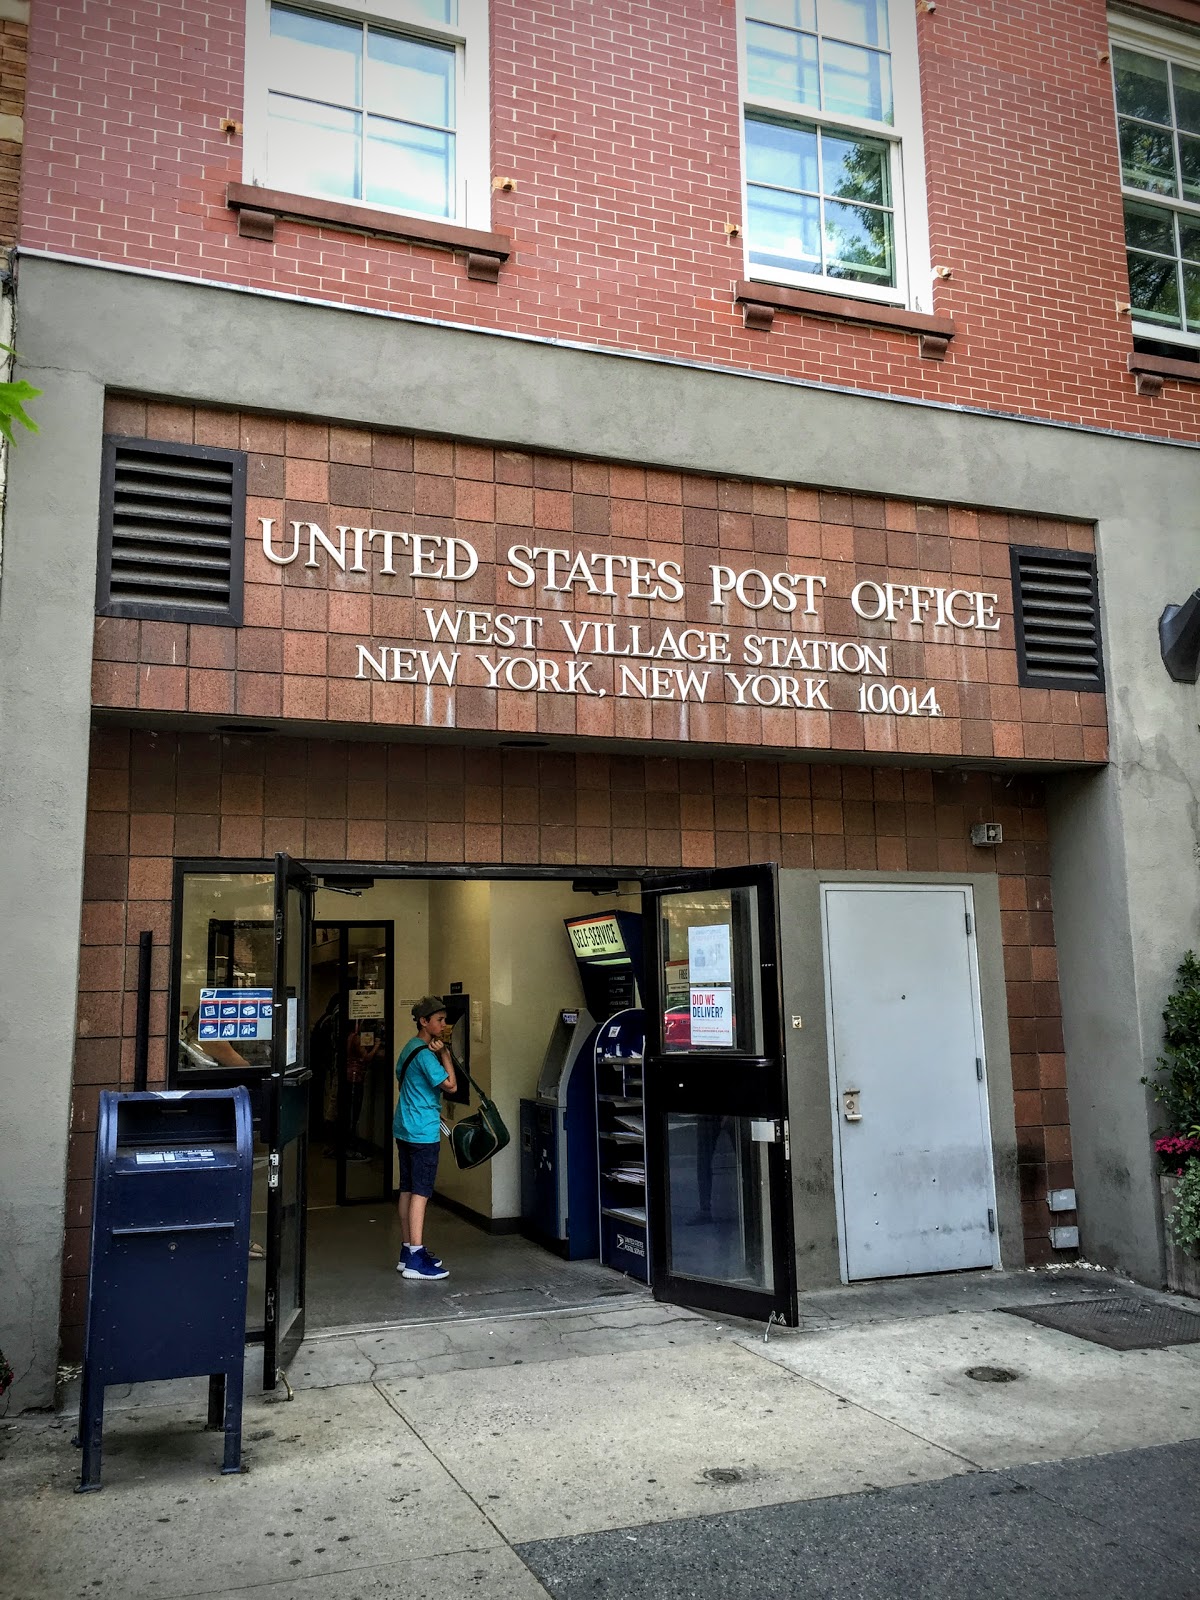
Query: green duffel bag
x=476, y=1139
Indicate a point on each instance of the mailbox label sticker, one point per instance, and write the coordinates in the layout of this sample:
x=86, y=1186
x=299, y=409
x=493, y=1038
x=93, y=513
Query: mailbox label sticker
x=236, y=1013
x=173, y=1158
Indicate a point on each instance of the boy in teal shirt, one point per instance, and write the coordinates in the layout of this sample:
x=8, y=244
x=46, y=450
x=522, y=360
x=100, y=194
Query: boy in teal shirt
x=424, y=1072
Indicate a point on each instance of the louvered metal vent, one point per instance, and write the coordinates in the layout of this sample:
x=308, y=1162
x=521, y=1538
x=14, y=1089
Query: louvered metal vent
x=172, y=529
x=1058, y=619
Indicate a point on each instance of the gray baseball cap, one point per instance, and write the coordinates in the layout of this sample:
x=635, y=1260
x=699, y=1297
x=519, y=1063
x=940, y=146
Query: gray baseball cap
x=428, y=1007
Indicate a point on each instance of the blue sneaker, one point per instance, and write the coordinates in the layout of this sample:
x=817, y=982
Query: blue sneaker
x=406, y=1251
x=422, y=1265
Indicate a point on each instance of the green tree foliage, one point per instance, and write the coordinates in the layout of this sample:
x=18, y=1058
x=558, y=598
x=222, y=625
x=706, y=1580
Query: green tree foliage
x=1183, y=1220
x=1176, y=1084
x=13, y=396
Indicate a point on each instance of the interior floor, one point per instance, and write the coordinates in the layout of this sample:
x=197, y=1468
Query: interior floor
x=352, y=1277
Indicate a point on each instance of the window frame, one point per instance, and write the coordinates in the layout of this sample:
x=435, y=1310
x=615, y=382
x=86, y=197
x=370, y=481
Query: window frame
x=1139, y=34
x=904, y=139
x=470, y=39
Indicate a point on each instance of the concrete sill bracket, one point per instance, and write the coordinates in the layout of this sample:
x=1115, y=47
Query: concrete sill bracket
x=258, y=209
x=1151, y=372
x=761, y=302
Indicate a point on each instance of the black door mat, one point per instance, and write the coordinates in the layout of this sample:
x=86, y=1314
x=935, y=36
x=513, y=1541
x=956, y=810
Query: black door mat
x=1123, y=1322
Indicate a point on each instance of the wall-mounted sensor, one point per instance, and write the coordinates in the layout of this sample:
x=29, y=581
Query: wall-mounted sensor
x=987, y=833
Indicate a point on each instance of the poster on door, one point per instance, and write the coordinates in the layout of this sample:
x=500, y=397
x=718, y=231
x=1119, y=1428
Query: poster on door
x=235, y=1013
x=366, y=1005
x=709, y=954
x=712, y=1017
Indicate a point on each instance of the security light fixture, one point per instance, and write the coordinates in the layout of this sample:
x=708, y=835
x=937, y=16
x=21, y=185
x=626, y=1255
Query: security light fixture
x=987, y=833
x=1179, y=639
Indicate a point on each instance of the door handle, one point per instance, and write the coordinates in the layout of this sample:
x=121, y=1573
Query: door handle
x=850, y=1106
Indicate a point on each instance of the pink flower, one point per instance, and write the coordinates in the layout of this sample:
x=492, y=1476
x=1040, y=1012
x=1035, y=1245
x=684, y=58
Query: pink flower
x=1178, y=1145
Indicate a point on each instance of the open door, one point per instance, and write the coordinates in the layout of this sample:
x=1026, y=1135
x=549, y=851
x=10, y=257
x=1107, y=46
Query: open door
x=285, y=1119
x=718, y=1157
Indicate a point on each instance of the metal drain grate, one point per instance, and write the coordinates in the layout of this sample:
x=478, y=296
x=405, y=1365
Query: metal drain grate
x=1122, y=1323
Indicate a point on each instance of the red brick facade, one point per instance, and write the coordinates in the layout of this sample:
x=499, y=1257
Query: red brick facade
x=621, y=128
x=14, y=50
x=622, y=132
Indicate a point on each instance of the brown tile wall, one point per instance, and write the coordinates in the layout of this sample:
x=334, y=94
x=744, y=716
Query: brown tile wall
x=296, y=657
x=155, y=797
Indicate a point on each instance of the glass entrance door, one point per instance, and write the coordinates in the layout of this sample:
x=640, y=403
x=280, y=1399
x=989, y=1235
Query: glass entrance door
x=351, y=1056
x=716, y=1100
x=285, y=1119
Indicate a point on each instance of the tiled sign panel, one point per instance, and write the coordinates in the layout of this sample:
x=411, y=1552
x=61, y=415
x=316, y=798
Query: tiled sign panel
x=402, y=582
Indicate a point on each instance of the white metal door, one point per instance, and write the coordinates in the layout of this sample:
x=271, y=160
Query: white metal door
x=909, y=1094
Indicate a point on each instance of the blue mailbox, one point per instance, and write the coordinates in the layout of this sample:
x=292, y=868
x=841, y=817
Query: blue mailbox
x=170, y=1254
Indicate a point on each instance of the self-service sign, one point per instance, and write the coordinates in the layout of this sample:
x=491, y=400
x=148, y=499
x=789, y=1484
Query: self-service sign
x=596, y=936
x=236, y=1013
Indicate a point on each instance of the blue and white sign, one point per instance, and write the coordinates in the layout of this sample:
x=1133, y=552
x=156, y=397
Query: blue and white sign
x=236, y=1013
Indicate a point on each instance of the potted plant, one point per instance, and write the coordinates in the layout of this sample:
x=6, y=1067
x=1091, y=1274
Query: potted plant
x=1176, y=1086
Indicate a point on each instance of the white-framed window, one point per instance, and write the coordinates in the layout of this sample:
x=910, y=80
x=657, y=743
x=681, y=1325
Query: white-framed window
x=1156, y=89
x=372, y=102
x=833, y=159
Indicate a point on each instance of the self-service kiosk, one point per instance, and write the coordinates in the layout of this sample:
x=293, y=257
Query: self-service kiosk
x=563, y=1187
x=558, y=1143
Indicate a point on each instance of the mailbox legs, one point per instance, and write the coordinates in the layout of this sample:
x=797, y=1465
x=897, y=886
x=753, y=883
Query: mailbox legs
x=233, y=1380
x=91, y=1429
x=224, y=1411
x=216, y=1401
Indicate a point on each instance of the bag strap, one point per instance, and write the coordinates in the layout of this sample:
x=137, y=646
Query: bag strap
x=404, y=1065
x=458, y=1067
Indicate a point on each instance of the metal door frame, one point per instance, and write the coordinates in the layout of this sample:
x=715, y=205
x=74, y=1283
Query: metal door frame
x=835, y=1110
x=286, y=1080
x=781, y=1302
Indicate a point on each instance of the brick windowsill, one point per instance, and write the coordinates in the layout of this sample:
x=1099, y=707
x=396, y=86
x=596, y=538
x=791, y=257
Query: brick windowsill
x=760, y=302
x=1177, y=10
x=1150, y=373
x=1164, y=367
x=258, y=208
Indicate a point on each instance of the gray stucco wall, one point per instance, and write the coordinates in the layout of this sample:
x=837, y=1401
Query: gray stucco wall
x=82, y=329
x=47, y=587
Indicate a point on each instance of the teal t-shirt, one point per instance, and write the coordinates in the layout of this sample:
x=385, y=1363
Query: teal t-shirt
x=418, y=1118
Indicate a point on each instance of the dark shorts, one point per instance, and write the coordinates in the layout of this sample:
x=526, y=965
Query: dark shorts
x=418, y=1166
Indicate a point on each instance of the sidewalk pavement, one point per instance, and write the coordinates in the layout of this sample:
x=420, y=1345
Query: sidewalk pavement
x=635, y=1448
